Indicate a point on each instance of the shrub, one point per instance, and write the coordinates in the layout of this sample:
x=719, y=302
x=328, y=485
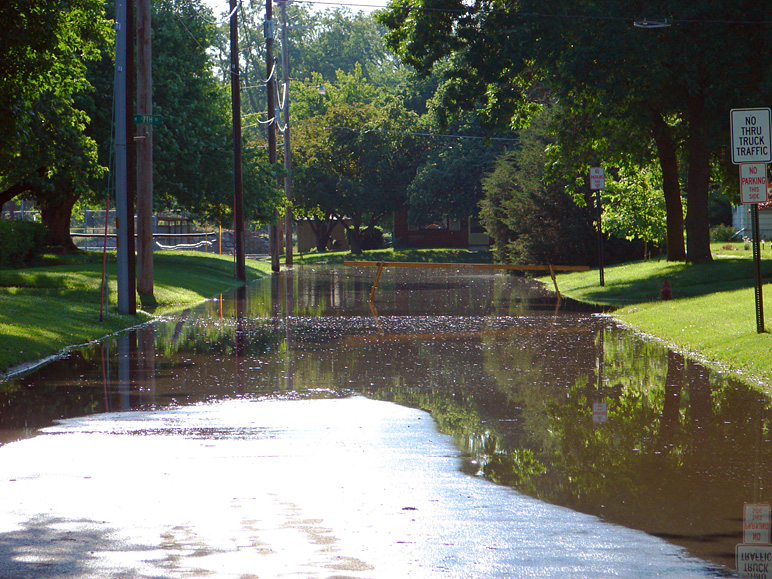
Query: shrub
x=371, y=238
x=722, y=233
x=20, y=241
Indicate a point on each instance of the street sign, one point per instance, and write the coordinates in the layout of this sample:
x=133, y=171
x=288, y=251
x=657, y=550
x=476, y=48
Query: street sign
x=599, y=412
x=597, y=179
x=147, y=119
x=751, y=135
x=756, y=524
x=754, y=561
x=753, y=182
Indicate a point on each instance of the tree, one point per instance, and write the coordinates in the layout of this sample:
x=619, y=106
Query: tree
x=634, y=206
x=533, y=220
x=43, y=50
x=354, y=152
x=44, y=152
x=685, y=72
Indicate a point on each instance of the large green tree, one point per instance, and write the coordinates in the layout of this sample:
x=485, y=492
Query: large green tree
x=685, y=74
x=44, y=153
x=354, y=152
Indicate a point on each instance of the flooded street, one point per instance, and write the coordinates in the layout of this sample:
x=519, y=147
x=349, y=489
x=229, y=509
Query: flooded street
x=464, y=425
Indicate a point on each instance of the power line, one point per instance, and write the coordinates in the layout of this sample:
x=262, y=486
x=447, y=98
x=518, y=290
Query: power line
x=538, y=14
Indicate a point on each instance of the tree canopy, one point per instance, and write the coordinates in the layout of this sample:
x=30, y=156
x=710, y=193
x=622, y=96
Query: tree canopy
x=654, y=82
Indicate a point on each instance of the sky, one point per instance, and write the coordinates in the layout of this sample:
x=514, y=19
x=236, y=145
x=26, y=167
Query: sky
x=220, y=6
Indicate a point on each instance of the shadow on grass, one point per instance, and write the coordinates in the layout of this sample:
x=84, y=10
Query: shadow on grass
x=686, y=281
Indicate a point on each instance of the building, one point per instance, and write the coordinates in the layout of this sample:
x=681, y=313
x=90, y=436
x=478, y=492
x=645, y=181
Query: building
x=462, y=233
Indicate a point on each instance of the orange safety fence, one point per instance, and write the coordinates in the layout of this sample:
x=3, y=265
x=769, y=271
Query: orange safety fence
x=384, y=264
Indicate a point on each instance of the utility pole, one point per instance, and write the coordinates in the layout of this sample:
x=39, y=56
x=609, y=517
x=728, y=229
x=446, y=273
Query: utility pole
x=238, y=191
x=131, y=157
x=145, y=151
x=287, y=152
x=124, y=156
x=271, y=100
x=121, y=167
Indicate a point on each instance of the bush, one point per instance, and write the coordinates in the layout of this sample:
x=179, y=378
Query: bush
x=722, y=233
x=20, y=241
x=371, y=238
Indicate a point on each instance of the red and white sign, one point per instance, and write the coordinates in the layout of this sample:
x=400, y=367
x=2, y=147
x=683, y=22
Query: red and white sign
x=597, y=179
x=756, y=524
x=753, y=182
x=599, y=412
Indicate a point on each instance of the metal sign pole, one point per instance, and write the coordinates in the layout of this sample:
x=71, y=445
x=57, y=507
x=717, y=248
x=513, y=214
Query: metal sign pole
x=751, y=133
x=597, y=184
x=757, y=268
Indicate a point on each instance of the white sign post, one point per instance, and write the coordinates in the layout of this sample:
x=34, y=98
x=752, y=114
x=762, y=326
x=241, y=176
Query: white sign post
x=754, y=561
x=756, y=524
x=598, y=184
x=752, y=149
x=599, y=412
x=751, y=135
x=753, y=182
x=597, y=179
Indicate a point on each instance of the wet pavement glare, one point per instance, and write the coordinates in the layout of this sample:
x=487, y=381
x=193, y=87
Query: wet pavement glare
x=450, y=429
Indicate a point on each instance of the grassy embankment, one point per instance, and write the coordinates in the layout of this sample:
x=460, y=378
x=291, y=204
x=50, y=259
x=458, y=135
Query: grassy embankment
x=712, y=312
x=56, y=304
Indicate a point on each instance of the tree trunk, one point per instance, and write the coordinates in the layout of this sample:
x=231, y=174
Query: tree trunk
x=322, y=230
x=697, y=224
x=356, y=241
x=57, y=219
x=671, y=187
x=671, y=408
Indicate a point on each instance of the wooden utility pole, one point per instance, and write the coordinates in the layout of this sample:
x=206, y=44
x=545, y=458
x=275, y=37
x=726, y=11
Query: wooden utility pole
x=144, y=151
x=271, y=99
x=287, y=152
x=238, y=183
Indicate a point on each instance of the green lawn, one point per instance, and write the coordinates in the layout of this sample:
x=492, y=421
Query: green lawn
x=46, y=308
x=712, y=313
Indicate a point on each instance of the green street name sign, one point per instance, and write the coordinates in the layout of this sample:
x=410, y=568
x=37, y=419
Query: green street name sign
x=147, y=119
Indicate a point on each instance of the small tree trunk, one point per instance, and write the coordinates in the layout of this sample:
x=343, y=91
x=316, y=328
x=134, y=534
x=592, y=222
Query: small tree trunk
x=697, y=223
x=671, y=187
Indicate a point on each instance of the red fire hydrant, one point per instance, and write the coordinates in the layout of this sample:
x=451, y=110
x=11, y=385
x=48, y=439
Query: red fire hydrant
x=666, y=292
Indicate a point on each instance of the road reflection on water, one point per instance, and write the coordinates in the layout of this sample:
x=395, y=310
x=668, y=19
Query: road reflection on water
x=511, y=377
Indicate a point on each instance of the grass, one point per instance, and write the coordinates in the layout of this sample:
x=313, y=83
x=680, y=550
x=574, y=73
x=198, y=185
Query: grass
x=712, y=313
x=56, y=303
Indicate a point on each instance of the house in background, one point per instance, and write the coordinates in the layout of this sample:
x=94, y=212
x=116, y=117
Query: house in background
x=444, y=232
x=306, y=238
x=741, y=219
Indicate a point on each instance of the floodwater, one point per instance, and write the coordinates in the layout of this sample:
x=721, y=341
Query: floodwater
x=453, y=429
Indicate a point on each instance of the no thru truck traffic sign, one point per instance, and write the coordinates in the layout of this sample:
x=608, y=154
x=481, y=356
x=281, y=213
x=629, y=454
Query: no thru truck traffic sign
x=751, y=135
